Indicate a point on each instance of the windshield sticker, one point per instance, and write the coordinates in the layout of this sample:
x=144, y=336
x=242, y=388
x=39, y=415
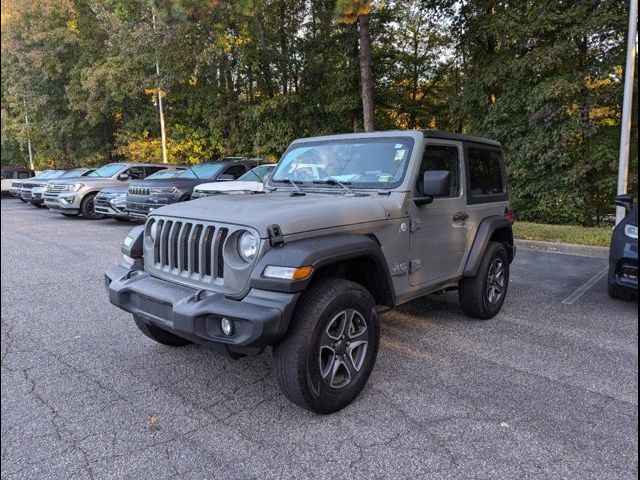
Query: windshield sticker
x=400, y=155
x=384, y=178
x=399, y=146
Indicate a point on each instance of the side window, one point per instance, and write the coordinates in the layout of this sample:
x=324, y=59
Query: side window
x=150, y=170
x=235, y=171
x=136, y=173
x=485, y=172
x=441, y=157
x=24, y=175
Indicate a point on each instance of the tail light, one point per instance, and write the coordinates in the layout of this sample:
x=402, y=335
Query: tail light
x=509, y=213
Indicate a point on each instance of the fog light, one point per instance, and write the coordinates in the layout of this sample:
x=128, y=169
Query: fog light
x=227, y=326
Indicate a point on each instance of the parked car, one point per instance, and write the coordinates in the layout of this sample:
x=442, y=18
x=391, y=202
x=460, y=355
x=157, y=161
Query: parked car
x=32, y=191
x=16, y=186
x=28, y=185
x=250, y=182
x=145, y=196
x=623, y=253
x=11, y=175
x=112, y=201
x=306, y=267
x=72, y=197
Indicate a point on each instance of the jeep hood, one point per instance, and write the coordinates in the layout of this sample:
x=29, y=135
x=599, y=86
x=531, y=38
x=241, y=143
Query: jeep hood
x=293, y=214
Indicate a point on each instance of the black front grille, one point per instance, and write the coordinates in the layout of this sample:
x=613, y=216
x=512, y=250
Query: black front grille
x=134, y=190
x=187, y=247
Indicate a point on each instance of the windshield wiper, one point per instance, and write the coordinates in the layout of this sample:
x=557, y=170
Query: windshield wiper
x=194, y=172
x=292, y=182
x=333, y=181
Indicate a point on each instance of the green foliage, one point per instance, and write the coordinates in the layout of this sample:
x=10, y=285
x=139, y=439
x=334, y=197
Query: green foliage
x=594, y=236
x=246, y=77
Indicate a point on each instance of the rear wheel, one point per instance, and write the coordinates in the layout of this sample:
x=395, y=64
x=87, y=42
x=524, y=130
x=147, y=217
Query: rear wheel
x=482, y=296
x=88, y=207
x=160, y=335
x=326, y=358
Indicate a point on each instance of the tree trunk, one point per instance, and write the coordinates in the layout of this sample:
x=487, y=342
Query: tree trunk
x=366, y=74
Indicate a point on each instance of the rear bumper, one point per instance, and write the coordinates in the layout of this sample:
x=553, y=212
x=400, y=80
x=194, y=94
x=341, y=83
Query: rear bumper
x=259, y=319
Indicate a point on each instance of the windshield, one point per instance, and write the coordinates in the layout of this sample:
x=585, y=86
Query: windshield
x=256, y=174
x=108, y=170
x=74, y=173
x=45, y=174
x=163, y=174
x=360, y=162
x=202, y=170
x=56, y=173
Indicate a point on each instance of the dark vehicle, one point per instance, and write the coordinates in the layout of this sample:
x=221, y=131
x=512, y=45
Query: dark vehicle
x=14, y=175
x=33, y=190
x=623, y=255
x=112, y=201
x=145, y=196
x=348, y=226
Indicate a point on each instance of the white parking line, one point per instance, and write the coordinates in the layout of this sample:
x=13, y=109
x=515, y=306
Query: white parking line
x=584, y=288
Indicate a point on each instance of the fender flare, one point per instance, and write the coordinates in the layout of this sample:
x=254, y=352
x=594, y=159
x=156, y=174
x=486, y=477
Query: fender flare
x=485, y=230
x=318, y=252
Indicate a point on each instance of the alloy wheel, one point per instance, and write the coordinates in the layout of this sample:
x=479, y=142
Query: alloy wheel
x=496, y=281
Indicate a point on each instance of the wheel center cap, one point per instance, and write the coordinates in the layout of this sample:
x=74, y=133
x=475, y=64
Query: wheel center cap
x=340, y=347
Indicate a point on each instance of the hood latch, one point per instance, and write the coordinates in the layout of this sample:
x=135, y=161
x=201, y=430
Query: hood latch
x=275, y=235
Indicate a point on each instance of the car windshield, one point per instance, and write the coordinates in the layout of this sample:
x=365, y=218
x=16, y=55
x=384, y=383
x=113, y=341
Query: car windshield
x=256, y=174
x=360, y=162
x=163, y=174
x=73, y=173
x=56, y=173
x=45, y=174
x=202, y=170
x=108, y=170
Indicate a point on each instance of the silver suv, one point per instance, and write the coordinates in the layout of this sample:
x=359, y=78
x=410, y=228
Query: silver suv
x=348, y=226
x=71, y=197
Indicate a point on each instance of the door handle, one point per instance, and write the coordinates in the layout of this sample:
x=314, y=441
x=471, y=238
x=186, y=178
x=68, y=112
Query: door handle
x=460, y=216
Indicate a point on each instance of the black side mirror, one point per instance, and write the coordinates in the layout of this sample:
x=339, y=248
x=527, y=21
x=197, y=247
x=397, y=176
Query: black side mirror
x=625, y=201
x=123, y=176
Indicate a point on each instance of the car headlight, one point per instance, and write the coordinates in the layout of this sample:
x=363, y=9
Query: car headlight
x=76, y=186
x=153, y=231
x=631, y=231
x=169, y=190
x=247, y=246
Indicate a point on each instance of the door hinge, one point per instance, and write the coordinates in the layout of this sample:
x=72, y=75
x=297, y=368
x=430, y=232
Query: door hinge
x=415, y=265
x=275, y=235
x=415, y=224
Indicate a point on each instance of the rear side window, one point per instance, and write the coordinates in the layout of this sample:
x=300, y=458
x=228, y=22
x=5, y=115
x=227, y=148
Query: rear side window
x=485, y=175
x=236, y=170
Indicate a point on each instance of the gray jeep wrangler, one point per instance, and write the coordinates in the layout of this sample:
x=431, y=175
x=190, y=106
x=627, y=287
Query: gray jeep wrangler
x=349, y=225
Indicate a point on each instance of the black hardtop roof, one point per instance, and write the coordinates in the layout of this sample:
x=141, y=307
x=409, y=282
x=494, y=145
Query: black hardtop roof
x=459, y=137
x=16, y=169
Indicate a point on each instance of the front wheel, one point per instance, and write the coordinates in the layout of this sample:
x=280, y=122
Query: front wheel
x=88, y=207
x=326, y=358
x=482, y=296
x=619, y=293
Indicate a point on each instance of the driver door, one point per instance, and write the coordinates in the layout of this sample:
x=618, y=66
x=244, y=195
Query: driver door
x=439, y=230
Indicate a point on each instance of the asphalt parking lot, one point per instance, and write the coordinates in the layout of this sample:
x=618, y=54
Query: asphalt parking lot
x=545, y=390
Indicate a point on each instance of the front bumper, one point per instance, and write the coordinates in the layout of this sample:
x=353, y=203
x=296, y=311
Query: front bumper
x=63, y=202
x=260, y=318
x=106, y=206
x=141, y=206
x=623, y=268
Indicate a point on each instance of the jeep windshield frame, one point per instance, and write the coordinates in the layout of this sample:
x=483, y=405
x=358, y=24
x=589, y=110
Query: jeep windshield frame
x=373, y=163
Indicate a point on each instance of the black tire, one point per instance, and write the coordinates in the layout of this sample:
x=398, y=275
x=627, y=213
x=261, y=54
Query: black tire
x=70, y=214
x=160, y=335
x=37, y=204
x=87, y=207
x=22, y=200
x=120, y=219
x=618, y=293
x=475, y=293
x=303, y=360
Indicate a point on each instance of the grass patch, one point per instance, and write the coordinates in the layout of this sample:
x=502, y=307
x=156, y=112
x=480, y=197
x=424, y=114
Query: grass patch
x=595, y=236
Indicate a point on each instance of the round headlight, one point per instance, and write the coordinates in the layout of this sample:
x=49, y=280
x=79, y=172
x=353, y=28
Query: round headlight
x=247, y=246
x=153, y=231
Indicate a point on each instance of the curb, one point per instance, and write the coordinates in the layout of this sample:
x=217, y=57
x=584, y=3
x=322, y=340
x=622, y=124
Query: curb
x=563, y=248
